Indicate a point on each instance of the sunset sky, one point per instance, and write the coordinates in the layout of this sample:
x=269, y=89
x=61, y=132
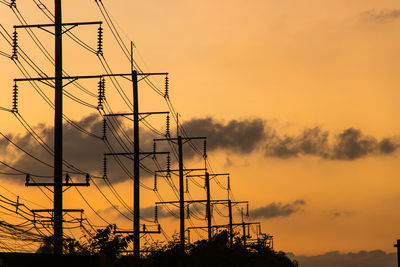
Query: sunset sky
x=299, y=100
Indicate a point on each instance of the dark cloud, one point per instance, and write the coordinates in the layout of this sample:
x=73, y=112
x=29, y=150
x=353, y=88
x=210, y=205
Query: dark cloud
x=162, y=212
x=381, y=16
x=279, y=209
x=81, y=150
x=238, y=136
x=86, y=152
x=336, y=259
x=350, y=144
x=311, y=141
x=241, y=137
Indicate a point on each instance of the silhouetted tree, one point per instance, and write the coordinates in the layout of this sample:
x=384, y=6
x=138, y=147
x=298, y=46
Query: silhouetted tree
x=210, y=253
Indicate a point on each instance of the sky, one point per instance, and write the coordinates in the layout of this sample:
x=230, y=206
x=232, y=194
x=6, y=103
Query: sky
x=297, y=99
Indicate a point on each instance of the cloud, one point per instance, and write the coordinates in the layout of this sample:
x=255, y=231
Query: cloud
x=279, y=209
x=80, y=149
x=240, y=137
x=337, y=214
x=311, y=141
x=118, y=212
x=336, y=259
x=350, y=144
x=162, y=212
x=381, y=16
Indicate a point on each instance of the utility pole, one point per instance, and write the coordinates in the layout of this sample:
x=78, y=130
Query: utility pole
x=58, y=132
x=136, y=167
x=397, y=245
x=59, y=29
x=208, y=206
x=58, y=145
x=181, y=193
x=212, y=202
x=136, y=156
x=230, y=222
x=244, y=234
x=179, y=139
x=208, y=193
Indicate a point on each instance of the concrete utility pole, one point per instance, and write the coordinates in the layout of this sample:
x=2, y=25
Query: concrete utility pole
x=181, y=201
x=230, y=222
x=136, y=156
x=58, y=132
x=58, y=119
x=244, y=234
x=208, y=206
x=208, y=194
x=212, y=202
x=181, y=192
x=397, y=245
x=136, y=167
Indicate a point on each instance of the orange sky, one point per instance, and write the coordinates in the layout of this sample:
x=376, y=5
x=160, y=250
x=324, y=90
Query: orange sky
x=294, y=64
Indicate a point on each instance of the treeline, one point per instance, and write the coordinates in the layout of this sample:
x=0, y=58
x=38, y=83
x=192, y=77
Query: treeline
x=214, y=252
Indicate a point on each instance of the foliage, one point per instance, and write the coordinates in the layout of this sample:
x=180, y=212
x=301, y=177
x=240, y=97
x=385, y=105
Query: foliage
x=104, y=242
x=214, y=252
x=217, y=252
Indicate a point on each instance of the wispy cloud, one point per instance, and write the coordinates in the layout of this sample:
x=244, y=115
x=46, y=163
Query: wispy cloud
x=381, y=16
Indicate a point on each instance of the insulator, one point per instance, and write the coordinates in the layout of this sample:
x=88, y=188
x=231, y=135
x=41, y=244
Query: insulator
x=154, y=150
x=104, y=129
x=167, y=132
x=87, y=178
x=205, y=149
x=101, y=93
x=13, y=3
x=15, y=99
x=67, y=178
x=104, y=89
x=16, y=206
x=166, y=94
x=15, y=46
x=247, y=210
x=27, y=179
x=187, y=185
x=100, y=41
x=168, y=163
x=105, y=167
x=187, y=212
x=155, y=214
x=155, y=182
x=229, y=183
